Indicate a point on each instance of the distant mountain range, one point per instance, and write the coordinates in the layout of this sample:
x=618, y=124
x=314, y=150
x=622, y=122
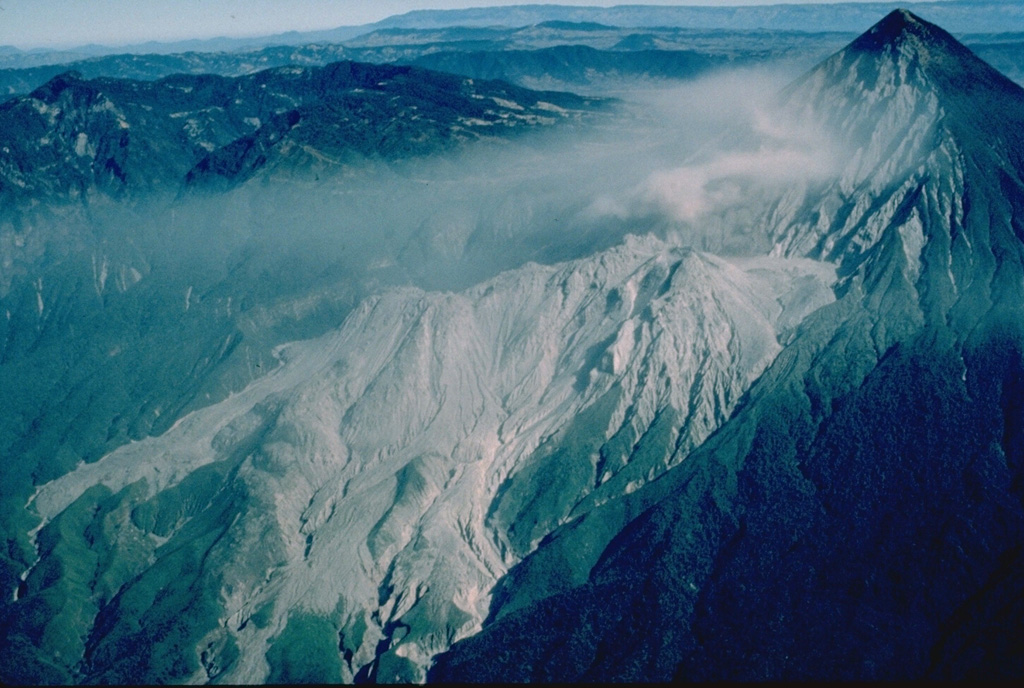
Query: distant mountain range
x=543, y=46
x=561, y=56
x=960, y=16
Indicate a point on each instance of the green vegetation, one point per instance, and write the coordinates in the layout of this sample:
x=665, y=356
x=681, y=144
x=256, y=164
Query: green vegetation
x=306, y=651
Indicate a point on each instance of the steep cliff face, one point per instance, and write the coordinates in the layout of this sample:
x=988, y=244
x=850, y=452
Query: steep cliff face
x=861, y=515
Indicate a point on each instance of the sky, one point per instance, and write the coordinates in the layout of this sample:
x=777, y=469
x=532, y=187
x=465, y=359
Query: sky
x=67, y=23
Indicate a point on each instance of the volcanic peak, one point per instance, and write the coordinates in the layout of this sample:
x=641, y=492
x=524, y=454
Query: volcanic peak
x=900, y=27
x=924, y=48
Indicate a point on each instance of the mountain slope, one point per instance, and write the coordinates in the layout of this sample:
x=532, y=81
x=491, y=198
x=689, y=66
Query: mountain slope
x=903, y=95
x=72, y=137
x=372, y=489
x=123, y=308
x=861, y=515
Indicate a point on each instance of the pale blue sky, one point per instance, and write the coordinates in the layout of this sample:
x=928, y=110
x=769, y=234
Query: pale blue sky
x=62, y=23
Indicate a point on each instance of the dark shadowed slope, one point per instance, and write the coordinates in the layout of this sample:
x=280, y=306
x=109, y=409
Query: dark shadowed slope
x=860, y=516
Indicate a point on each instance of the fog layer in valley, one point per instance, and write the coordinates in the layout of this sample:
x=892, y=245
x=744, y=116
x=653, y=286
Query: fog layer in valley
x=662, y=160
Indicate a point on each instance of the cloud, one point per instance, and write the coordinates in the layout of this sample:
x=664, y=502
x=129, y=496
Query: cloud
x=691, y=191
x=759, y=149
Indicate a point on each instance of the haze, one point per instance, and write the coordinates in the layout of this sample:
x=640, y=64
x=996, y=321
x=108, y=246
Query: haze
x=67, y=23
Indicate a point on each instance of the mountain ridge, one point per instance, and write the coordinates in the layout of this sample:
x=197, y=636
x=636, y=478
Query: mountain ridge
x=72, y=136
x=826, y=529
x=962, y=16
x=502, y=397
x=896, y=102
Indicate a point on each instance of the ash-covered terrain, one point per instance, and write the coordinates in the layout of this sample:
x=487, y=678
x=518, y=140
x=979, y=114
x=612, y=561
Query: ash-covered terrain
x=375, y=372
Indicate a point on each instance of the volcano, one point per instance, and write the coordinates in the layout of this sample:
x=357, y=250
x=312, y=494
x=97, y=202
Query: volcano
x=860, y=515
x=647, y=463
